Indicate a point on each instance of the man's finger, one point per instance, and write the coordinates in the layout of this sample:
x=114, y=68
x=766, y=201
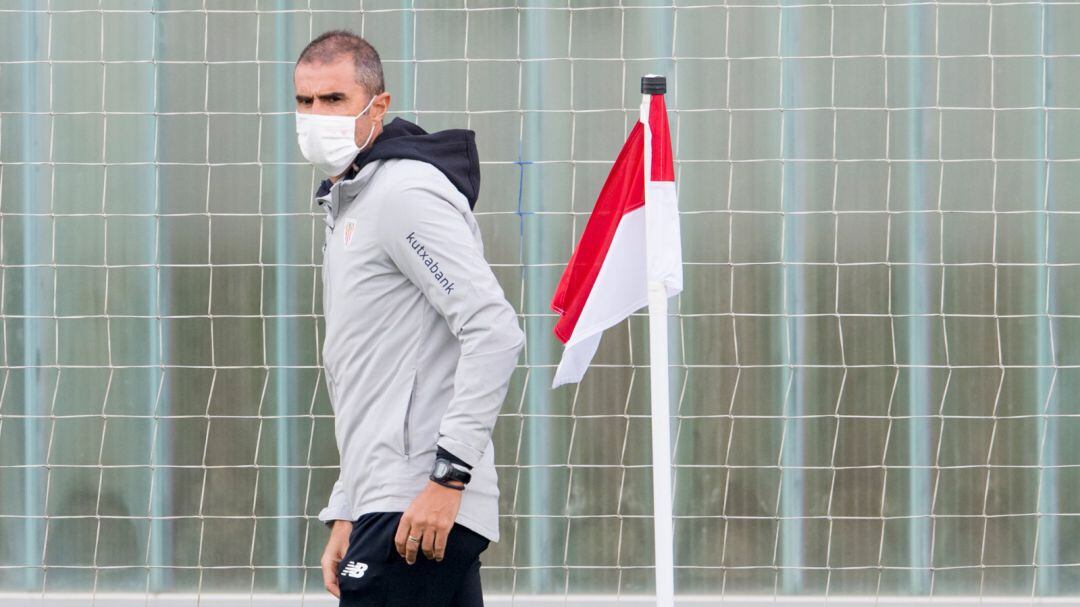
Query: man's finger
x=329, y=575
x=428, y=544
x=440, y=544
x=411, y=544
x=401, y=535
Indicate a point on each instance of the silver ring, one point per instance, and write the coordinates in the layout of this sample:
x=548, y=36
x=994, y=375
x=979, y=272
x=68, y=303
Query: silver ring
x=414, y=539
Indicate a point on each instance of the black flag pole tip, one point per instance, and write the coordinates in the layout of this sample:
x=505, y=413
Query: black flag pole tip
x=653, y=85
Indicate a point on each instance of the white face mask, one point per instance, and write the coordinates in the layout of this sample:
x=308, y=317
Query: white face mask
x=329, y=142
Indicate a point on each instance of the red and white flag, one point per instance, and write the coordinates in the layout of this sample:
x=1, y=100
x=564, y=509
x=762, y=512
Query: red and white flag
x=609, y=272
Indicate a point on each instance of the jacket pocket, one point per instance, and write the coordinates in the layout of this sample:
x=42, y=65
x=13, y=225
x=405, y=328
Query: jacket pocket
x=408, y=418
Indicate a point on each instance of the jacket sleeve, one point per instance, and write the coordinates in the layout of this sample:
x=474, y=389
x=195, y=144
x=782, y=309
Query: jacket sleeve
x=337, y=509
x=429, y=241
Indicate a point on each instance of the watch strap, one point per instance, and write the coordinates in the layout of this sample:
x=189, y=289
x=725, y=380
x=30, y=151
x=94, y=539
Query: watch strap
x=447, y=483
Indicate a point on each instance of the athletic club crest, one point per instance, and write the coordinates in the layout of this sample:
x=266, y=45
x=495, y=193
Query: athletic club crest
x=349, y=229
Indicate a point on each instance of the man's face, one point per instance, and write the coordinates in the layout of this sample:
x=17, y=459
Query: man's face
x=332, y=89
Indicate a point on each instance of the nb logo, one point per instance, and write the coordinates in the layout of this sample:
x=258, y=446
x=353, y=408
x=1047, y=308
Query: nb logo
x=354, y=569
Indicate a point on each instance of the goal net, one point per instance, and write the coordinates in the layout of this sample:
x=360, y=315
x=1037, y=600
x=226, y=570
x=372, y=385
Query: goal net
x=875, y=360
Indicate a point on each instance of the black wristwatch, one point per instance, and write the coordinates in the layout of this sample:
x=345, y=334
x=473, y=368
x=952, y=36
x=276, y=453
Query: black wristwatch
x=445, y=472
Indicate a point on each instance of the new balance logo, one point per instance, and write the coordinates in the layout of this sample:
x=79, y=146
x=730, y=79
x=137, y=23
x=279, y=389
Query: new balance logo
x=354, y=569
x=429, y=261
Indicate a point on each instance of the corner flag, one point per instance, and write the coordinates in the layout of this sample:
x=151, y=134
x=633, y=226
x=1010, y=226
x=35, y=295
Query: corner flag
x=608, y=274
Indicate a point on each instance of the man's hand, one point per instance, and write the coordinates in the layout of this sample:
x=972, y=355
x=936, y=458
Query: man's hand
x=428, y=522
x=332, y=555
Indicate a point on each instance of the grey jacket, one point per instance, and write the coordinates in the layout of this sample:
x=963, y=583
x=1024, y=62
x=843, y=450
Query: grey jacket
x=420, y=340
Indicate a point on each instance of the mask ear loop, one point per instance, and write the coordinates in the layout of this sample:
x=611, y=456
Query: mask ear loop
x=362, y=112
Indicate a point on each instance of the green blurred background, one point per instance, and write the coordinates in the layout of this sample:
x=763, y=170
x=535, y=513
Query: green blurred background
x=875, y=358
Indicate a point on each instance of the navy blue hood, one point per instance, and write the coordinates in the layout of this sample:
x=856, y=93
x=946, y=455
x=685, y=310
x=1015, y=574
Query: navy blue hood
x=452, y=151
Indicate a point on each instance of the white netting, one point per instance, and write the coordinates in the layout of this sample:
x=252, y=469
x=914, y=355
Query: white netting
x=874, y=356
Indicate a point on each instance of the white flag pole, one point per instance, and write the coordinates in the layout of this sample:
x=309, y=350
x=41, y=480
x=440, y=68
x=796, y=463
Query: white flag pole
x=658, y=374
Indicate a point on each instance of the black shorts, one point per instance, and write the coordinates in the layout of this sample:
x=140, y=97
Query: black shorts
x=373, y=574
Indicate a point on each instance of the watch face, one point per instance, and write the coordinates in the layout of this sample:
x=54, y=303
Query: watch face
x=441, y=469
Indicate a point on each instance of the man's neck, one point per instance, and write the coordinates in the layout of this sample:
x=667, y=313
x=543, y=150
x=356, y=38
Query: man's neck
x=336, y=178
x=352, y=165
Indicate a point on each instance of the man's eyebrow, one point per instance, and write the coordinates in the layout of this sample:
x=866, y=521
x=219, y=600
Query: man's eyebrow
x=334, y=96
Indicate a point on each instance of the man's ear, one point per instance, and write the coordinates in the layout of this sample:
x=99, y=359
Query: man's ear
x=380, y=106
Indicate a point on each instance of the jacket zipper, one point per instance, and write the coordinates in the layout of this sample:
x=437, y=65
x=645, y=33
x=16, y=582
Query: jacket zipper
x=408, y=414
x=416, y=379
x=328, y=277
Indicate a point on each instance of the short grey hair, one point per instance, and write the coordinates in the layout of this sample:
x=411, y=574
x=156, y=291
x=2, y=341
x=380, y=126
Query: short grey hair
x=334, y=44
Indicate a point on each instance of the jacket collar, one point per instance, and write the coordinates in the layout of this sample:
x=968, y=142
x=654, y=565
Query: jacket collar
x=452, y=151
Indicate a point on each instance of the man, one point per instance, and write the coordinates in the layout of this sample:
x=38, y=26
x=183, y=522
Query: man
x=420, y=341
